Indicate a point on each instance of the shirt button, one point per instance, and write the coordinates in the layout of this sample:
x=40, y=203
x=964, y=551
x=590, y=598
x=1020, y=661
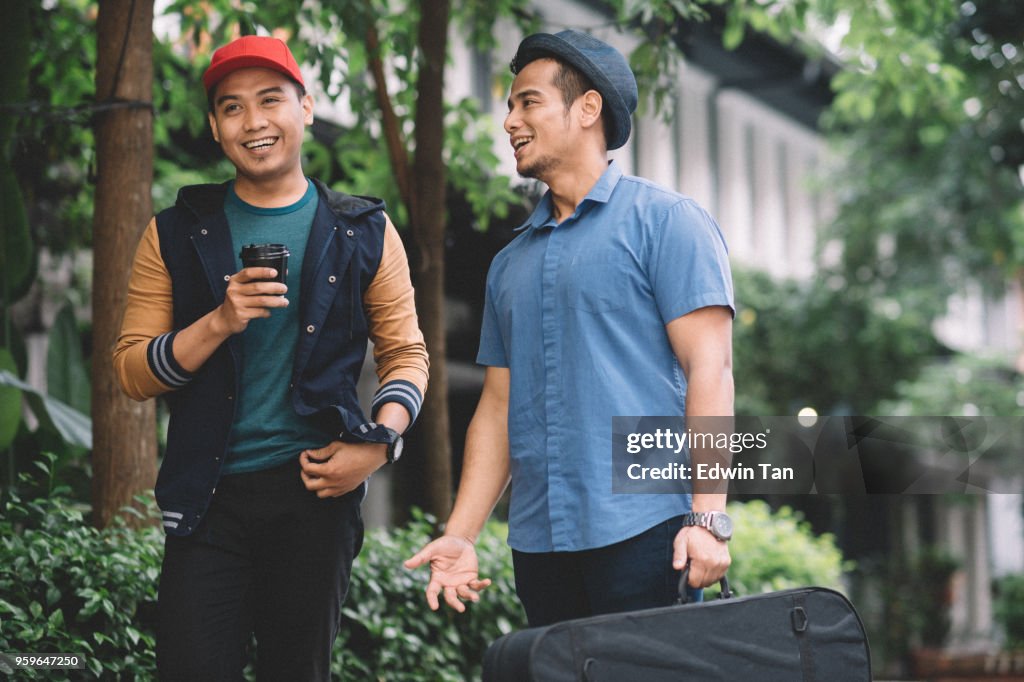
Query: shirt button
x=310, y=329
x=332, y=279
x=350, y=233
x=227, y=278
x=203, y=231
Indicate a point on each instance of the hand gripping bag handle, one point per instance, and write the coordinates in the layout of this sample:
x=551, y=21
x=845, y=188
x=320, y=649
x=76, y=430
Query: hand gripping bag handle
x=684, y=575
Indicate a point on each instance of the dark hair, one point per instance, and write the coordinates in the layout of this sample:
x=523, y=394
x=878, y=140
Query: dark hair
x=572, y=83
x=300, y=90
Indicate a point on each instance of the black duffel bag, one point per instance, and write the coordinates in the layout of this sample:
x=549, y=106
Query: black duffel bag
x=806, y=634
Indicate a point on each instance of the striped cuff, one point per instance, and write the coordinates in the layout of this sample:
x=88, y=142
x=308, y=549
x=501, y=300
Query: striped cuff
x=172, y=519
x=405, y=393
x=162, y=363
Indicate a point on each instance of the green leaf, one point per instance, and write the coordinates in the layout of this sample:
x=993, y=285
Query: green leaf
x=73, y=426
x=17, y=252
x=15, y=54
x=865, y=108
x=66, y=377
x=56, y=620
x=16, y=612
x=933, y=135
x=907, y=103
x=732, y=36
x=10, y=403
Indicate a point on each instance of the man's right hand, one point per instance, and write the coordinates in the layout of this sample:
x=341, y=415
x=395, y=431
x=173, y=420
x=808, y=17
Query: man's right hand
x=453, y=570
x=248, y=297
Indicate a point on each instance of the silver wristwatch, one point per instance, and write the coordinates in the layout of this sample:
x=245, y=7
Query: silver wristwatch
x=718, y=523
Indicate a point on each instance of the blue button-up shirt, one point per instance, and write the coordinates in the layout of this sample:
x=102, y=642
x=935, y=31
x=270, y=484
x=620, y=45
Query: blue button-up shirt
x=577, y=310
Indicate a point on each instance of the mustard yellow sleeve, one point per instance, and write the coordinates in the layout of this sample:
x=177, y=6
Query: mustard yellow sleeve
x=398, y=345
x=143, y=357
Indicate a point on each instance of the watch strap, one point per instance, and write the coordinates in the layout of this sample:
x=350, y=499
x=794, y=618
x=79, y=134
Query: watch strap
x=394, y=443
x=706, y=520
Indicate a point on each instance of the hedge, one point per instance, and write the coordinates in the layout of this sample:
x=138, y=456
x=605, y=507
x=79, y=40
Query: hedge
x=66, y=587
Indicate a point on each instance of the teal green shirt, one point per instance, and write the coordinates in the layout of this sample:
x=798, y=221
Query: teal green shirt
x=267, y=431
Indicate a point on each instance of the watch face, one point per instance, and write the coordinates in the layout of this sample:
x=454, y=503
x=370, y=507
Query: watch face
x=395, y=450
x=721, y=525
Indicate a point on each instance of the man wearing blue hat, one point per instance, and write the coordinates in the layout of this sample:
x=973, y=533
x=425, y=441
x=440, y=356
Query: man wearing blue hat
x=614, y=300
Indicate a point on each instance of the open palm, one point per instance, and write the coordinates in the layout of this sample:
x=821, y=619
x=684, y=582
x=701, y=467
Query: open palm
x=453, y=571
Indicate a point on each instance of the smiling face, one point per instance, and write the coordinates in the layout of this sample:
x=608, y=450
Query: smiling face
x=259, y=120
x=539, y=123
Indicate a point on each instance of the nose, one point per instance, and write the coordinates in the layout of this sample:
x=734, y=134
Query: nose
x=512, y=121
x=254, y=119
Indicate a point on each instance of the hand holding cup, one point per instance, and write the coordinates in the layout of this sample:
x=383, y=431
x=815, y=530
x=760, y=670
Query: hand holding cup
x=267, y=256
x=257, y=288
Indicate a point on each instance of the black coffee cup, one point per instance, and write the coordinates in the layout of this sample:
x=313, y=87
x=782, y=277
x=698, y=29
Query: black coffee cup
x=267, y=256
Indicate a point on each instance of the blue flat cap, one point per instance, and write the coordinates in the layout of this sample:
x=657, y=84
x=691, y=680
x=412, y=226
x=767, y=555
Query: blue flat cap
x=605, y=66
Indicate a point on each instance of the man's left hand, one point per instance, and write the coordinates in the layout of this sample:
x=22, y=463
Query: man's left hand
x=338, y=468
x=708, y=556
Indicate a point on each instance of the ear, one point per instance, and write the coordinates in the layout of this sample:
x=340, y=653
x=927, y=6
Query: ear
x=590, y=108
x=213, y=126
x=307, y=109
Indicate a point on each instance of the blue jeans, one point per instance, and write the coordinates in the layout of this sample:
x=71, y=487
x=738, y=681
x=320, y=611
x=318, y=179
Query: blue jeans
x=269, y=558
x=633, y=574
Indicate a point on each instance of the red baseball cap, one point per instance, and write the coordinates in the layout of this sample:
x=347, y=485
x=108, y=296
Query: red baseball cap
x=252, y=51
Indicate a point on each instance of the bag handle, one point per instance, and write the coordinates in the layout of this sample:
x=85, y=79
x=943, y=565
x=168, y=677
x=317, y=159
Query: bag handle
x=684, y=575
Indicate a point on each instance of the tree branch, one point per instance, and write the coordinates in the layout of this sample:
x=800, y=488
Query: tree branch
x=391, y=127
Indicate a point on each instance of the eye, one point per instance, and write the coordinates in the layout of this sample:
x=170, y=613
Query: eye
x=273, y=99
x=231, y=108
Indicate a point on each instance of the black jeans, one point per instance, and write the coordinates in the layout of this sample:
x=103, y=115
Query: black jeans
x=269, y=558
x=633, y=574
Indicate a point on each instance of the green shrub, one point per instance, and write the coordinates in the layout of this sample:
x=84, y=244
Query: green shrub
x=66, y=587
x=70, y=588
x=389, y=632
x=1009, y=608
x=777, y=550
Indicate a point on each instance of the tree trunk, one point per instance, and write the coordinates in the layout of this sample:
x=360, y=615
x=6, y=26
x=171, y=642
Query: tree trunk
x=124, y=431
x=427, y=214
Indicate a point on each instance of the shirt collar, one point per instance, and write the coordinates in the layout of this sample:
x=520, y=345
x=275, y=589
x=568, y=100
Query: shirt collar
x=600, y=193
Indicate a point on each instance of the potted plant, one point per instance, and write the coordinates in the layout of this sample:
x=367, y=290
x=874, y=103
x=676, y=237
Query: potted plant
x=929, y=586
x=1009, y=608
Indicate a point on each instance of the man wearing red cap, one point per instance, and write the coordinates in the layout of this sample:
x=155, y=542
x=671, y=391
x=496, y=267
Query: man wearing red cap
x=268, y=449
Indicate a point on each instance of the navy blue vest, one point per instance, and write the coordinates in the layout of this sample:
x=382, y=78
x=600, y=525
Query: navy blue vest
x=345, y=245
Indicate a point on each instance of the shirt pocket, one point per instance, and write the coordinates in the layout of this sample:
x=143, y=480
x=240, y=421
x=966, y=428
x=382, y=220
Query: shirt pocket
x=600, y=285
